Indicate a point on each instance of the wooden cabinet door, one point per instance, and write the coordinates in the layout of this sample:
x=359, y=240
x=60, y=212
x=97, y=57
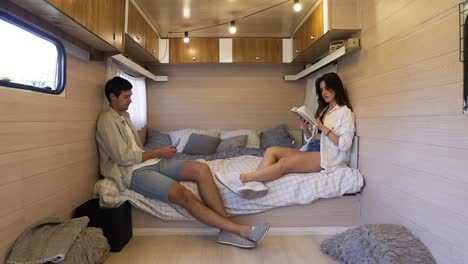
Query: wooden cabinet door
x=100, y=19
x=257, y=50
x=248, y=50
x=106, y=19
x=152, y=42
x=136, y=25
x=315, y=26
x=207, y=50
x=272, y=50
x=119, y=24
x=298, y=40
x=198, y=50
x=76, y=9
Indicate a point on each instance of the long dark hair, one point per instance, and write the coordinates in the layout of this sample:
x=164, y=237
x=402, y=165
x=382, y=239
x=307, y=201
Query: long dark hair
x=332, y=82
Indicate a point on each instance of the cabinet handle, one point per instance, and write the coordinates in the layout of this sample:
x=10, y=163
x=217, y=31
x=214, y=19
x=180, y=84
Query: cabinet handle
x=257, y=58
x=138, y=38
x=312, y=37
x=194, y=58
x=154, y=51
x=297, y=51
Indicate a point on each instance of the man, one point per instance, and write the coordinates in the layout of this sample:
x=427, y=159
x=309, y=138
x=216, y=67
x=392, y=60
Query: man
x=155, y=174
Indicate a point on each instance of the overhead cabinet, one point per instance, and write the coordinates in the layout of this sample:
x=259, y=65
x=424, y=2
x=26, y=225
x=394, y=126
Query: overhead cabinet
x=330, y=20
x=198, y=50
x=105, y=18
x=142, y=42
x=136, y=25
x=77, y=9
x=257, y=50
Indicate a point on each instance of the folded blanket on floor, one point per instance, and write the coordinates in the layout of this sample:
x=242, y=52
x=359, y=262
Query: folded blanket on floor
x=47, y=241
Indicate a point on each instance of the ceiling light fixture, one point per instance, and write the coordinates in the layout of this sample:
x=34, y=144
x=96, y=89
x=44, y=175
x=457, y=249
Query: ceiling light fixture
x=232, y=28
x=297, y=6
x=232, y=24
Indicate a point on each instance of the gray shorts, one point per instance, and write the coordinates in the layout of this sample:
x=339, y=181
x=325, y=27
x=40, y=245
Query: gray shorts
x=156, y=180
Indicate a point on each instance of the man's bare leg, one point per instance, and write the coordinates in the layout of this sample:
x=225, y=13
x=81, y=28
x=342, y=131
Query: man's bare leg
x=201, y=174
x=185, y=198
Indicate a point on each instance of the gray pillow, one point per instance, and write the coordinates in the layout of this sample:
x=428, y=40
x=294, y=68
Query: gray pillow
x=199, y=144
x=232, y=143
x=156, y=139
x=383, y=244
x=278, y=136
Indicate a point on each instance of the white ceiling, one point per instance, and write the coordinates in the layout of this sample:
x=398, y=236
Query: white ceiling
x=168, y=16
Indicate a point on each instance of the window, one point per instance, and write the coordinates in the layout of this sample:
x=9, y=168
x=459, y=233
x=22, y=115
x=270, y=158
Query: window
x=30, y=59
x=137, y=109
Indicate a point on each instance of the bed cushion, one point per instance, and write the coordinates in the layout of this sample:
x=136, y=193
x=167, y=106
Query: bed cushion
x=296, y=188
x=156, y=139
x=253, y=136
x=381, y=243
x=184, y=135
x=199, y=144
x=278, y=136
x=232, y=143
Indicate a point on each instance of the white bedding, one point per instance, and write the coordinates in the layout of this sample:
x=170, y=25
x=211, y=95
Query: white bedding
x=294, y=188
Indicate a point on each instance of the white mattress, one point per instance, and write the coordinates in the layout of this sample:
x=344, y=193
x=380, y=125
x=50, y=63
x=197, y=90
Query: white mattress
x=294, y=188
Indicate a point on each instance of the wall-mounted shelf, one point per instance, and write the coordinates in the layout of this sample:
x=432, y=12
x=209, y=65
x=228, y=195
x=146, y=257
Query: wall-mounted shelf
x=320, y=64
x=137, y=68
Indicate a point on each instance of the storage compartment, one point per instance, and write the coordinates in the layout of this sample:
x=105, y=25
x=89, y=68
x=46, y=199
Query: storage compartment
x=115, y=222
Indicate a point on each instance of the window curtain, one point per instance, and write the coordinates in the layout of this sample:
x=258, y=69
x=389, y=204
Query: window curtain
x=311, y=96
x=137, y=109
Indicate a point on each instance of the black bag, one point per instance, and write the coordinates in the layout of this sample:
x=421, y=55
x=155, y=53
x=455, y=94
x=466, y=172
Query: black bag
x=115, y=222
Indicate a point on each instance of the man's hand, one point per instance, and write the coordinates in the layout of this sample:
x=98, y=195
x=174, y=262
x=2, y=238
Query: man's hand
x=167, y=152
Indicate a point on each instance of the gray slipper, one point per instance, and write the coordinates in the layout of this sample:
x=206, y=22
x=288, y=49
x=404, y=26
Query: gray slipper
x=235, y=240
x=259, y=232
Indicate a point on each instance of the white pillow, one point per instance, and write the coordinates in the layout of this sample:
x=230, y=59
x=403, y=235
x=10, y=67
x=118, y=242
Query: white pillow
x=253, y=137
x=184, y=135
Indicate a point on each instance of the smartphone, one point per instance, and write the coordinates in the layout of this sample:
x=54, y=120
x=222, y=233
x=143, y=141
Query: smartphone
x=177, y=142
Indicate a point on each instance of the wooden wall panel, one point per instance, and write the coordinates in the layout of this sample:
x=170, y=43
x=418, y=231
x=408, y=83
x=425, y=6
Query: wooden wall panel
x=48, y=153
x=224, y=96
x=406, y=87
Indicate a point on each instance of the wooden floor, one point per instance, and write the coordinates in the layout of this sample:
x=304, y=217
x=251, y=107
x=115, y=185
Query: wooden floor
x=204, y=249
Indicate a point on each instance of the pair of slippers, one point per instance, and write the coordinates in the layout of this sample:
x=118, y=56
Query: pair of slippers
x=249, y=190
x=258, y=234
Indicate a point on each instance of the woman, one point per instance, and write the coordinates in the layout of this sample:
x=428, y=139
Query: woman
x=337, y=127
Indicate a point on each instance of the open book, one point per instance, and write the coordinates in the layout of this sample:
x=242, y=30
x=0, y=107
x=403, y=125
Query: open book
x=305, y=113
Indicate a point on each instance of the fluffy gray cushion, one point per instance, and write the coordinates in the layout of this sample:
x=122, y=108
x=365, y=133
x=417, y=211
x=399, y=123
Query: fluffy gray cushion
x=377, y=244
x=278, y=136
x=156, y=139
x=232, y=143
x=199, y=144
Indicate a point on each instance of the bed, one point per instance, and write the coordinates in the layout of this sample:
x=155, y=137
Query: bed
x=293, y=189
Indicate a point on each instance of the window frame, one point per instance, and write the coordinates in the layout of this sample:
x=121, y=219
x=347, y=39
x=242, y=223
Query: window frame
x=61, y=56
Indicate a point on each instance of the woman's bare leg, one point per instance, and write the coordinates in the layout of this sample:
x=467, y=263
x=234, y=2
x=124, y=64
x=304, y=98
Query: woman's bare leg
x=273, y=154
x=298, y=162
